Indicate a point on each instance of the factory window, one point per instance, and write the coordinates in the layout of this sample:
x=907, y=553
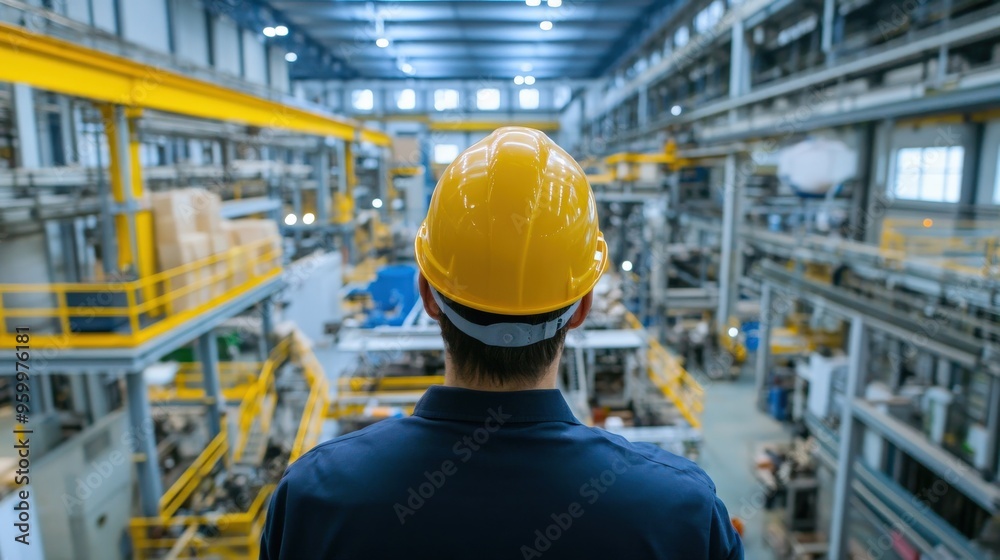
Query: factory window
x=445, y=153
x=528, y=98
x=681, y=37
x=406, y=100
x=929, y=174
x=363, y=99
x=488, y=99
x=445, y=99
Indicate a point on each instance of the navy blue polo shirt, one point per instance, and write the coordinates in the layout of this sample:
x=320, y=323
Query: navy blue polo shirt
x=505, y=475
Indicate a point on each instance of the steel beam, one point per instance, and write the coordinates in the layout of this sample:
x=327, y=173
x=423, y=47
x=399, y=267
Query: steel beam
x=208, y=353
x=323, y=186
x=953, y=471
x=97, y=396
x=266, y=327
x=71, y=69
x=144, y=444
x=850, y=438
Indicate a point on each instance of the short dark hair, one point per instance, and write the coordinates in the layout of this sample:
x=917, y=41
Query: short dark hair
x=497, y=365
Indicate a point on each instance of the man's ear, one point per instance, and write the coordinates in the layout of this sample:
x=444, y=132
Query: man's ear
x=430, y=306
x=581, y=312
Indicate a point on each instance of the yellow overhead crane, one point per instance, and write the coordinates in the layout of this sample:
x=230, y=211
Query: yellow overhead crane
x=123, y=88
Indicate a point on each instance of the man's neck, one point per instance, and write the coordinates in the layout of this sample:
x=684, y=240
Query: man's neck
x=546, y=381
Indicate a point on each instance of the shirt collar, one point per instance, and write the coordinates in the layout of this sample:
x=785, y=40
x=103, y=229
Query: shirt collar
x=454, y=403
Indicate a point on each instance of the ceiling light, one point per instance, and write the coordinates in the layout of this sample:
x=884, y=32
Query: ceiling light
x=555, y=3
x=290, y=220
x=406, y=67
x=627, y=266
x=308, y=218
x=281, y=30
x=377, y=203
x=518, y=80
x=269, y=32
x=382, y=42
x=675, y=110
x=733, y=331
x=529, y=80
x=545, y=25
x=533, y=3
x=291, y=57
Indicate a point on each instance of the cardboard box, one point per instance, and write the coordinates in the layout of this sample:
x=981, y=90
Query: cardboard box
x=219, y=247
x=207, y=211
x=263, y=240
x=173, y=215
x=406, y=151
x=188, y=248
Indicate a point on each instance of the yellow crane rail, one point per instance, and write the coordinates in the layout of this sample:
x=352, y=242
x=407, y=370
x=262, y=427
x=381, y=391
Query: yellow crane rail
x=72, y=69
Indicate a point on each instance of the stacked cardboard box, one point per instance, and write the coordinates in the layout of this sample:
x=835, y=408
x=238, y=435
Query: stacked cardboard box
x=261, y=240
x=187, y=223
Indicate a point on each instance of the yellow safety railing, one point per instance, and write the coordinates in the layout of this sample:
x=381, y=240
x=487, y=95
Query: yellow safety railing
x=400, y=383
x=179, y=492
x=670, y=377
x=235, y=379
x=119, y=314
x=236, y=536
x=256, y=398
x=314, y=412
x=666, y=372
x=966, y=246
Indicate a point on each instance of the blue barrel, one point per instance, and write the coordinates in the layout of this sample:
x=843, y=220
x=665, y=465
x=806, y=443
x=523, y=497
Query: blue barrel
x=777, y=400
x=751, y=335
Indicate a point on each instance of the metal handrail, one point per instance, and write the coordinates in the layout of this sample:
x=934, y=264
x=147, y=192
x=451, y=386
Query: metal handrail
x=183, y=487
x=151, y=304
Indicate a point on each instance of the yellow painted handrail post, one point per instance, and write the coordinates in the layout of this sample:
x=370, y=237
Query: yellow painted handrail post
x=133, y=313
x=63, y=313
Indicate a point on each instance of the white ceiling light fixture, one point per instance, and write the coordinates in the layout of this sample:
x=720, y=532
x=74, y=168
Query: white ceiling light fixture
x=382, y=42
x=555, y=3
x=529, y=80
x=308, y=218
x=291, y=57
x=545, y=25
x=533, y=3
x=518, y=80
x=281, y=31
x=269, y=32
x=526, y=67
x=377, y=203
x=407, y=68
x=290, y=220
x=627, y=266
x=676, y=110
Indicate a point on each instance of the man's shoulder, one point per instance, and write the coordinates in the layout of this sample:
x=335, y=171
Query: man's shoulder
x=657, y=463
x=378, y=434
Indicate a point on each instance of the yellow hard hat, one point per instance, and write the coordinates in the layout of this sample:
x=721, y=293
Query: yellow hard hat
x=512, y=227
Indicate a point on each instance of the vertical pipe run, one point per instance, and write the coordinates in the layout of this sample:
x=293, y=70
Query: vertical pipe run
x=143, y=444
x=850, y=439
x=208, y=352
x=763, y=357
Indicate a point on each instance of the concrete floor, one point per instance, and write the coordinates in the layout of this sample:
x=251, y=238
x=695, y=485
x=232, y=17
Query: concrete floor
x=732, y=429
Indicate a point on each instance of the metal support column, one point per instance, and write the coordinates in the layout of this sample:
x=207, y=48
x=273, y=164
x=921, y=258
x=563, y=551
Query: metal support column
x=763, y=358
x=144, y=444
x=47, y=398
x=266, y=327
x=737, y=62
x=208, y=353
x=29, y=154
x=829, y=16
x=322, y=171
x=730, y=217
x=642, y=110
x=97, y=396
x=850, y=439
x=993, y=426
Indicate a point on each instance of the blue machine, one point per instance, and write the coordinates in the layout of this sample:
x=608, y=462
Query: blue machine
x=394, y=293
